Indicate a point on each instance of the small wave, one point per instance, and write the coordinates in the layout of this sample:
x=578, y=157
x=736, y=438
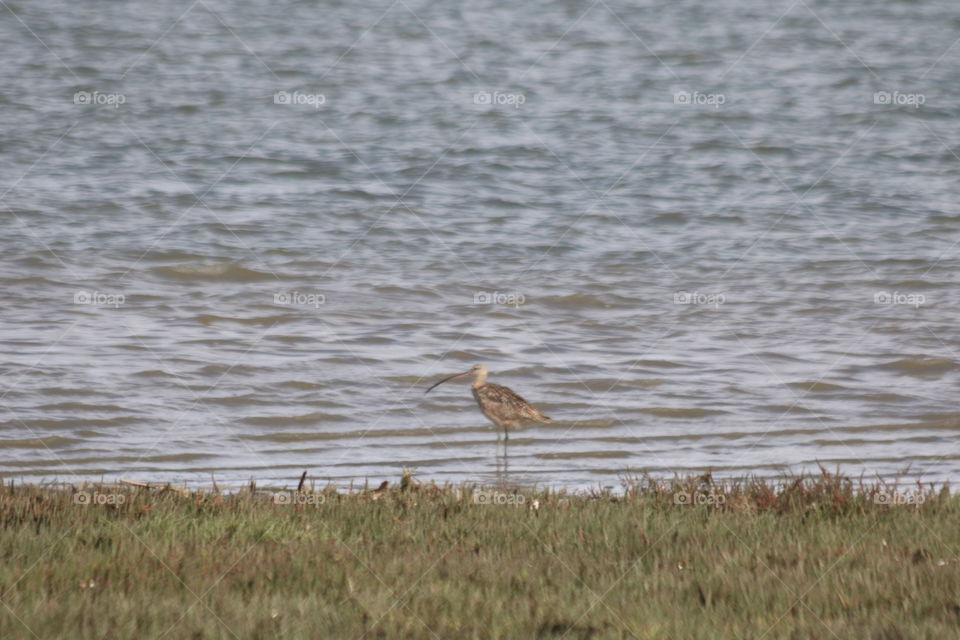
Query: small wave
x=896, y=442
x=670, y=218
x=783, y=408
x=412, y=380
x=69, y=391
x=608, y=384
x=163, y=255
x=305, y=385
x=30, y=280
x=37, y=443
x=920, y=367
x=677, y=438
x=173, y=457
x=406, y=291
x=375, y=339
x=366, y=434
x=535, y=370
x=881, y=397
x=247, y=398
x=724, y=219
x=773, y=355
x=81, y=406
x=770, y=149
x=912, y=285
x=574, y=300
x=49, y=423
x=942, y=418
x=316, y=417
x=355, y=192
x=220, y=272
x=218, y=370
x=155, y=373
x=667, y=364
x=907, y=427
x=583, y=454
x=596, y=423
x=288, y=339
x=680, y=412
x=210, y=318
x=942, y=217
x=401, y=464
x=815, y=386
x=463, y=356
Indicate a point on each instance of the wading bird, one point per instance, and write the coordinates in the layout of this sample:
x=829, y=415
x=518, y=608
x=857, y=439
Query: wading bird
x=502, y=406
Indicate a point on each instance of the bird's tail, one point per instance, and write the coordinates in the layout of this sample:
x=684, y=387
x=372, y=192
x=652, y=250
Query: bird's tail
x=532, y=414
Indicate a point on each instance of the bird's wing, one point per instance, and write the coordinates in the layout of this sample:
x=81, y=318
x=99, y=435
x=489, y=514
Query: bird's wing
x=508, y=402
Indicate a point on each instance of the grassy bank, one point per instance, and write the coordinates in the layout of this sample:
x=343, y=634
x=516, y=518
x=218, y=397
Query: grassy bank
x=812, y=558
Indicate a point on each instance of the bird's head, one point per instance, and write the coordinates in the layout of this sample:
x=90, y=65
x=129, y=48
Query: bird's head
x=478, y=371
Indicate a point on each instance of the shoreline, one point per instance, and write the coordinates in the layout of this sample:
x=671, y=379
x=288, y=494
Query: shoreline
x=628, y=481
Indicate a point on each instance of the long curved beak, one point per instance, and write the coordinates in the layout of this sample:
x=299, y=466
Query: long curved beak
x=447, y=379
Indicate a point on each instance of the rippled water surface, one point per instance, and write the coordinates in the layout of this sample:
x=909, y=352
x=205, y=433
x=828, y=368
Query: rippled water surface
x=241, y=239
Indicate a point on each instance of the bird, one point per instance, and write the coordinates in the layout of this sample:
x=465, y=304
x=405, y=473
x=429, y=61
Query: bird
x=502, y=406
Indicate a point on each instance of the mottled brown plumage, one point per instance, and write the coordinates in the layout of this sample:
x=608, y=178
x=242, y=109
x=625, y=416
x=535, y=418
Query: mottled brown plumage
x=499, y=404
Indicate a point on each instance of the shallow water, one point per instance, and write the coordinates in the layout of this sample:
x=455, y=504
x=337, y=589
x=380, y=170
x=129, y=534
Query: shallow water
x=696, y=236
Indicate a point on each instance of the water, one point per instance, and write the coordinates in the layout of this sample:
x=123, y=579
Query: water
x=690, y=219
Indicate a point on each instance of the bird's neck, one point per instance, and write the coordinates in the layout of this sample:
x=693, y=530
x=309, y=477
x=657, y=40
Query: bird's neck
x=479, y=379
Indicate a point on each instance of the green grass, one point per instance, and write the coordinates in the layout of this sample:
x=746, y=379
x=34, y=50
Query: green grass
x=816, y=557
